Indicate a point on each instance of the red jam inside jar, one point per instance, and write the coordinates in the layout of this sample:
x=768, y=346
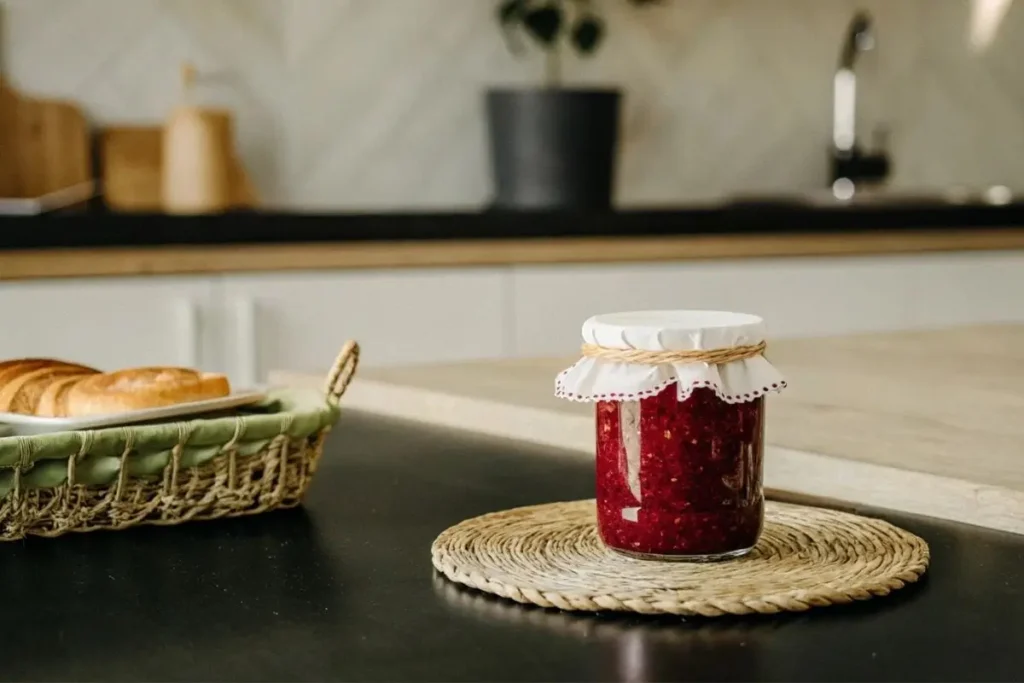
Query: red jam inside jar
x=680, y=479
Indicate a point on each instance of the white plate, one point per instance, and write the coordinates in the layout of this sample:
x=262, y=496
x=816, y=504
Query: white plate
x=67, y=196
x=26, y=425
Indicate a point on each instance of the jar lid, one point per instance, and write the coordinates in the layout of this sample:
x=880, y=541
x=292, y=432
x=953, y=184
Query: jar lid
x=628, y=356
x=673, y=330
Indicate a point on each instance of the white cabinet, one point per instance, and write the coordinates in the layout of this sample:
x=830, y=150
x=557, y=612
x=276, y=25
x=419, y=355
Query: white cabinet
x=796, y=296
x=110, y=322
x=247, y=325
x=299, y=321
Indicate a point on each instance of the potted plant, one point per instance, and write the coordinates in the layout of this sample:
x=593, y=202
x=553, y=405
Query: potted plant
x=554, y=147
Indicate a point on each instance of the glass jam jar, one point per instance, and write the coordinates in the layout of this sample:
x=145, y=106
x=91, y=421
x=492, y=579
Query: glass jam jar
x=680, y=430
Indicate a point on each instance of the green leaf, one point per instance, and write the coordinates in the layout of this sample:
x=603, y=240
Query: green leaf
x=511, y=11
x=587, y=34
x=544, y=23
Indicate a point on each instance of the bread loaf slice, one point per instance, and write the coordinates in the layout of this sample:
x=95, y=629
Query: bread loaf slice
x=53, y=402
x=12, y=369
x=23, y=382
x=22, y=394
x=141, y=388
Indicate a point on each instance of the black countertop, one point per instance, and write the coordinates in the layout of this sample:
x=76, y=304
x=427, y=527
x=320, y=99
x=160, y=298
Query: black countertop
x=343, y=590
x=132, y=230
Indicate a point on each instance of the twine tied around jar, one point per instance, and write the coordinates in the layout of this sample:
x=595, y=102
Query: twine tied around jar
x=644, y=357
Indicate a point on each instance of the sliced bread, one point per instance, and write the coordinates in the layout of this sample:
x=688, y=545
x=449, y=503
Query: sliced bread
x=53, y=402
x=140, y=388
x=22, y=394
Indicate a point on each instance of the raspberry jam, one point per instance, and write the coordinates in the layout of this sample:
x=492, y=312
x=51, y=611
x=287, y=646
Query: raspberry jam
x=680, y=479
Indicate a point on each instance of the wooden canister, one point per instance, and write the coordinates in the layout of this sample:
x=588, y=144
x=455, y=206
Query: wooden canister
x=196, y=174
x=197, y=148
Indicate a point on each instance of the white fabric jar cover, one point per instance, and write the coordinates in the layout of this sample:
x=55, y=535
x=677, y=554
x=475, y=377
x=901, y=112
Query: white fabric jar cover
x=594, y=379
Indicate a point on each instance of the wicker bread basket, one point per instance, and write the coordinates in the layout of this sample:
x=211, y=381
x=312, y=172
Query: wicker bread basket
x=170, y=473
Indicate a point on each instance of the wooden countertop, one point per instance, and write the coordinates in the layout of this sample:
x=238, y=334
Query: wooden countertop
x=167, y=260
x=921, y=422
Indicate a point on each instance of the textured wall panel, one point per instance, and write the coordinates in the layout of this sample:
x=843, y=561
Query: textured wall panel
x=370, y=104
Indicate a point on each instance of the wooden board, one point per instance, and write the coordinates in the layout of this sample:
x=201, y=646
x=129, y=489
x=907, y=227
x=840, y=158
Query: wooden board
x=922, y=422
x=10, y=182
x=234, y=258
x=45, y=145
x=131, y=163
x=130, y=160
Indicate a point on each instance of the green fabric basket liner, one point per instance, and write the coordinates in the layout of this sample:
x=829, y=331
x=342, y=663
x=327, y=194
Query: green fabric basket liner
x=43, y=459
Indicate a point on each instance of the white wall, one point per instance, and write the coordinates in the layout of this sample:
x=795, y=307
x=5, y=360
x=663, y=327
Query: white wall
x=376, y=104
x=796, y=296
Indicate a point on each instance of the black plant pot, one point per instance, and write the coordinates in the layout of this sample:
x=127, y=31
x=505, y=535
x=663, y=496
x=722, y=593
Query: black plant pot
x=553, y=149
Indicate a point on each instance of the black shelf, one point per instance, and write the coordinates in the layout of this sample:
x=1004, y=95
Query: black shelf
x=141, y=230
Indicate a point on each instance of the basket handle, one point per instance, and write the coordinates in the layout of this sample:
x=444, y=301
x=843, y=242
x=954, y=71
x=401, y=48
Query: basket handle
x=342, y=371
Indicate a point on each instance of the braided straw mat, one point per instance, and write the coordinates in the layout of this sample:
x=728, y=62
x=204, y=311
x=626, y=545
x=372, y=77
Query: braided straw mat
x=551, y=555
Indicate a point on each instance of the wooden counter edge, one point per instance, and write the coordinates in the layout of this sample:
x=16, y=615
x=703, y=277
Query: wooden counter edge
x=171, y=260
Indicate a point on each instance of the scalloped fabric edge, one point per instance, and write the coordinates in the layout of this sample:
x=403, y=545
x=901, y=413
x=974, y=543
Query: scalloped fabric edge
x=684, y=391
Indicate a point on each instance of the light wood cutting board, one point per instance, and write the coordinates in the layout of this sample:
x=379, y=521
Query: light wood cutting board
x=131, y=163
x=928, y=423
x=10, y=182
x=44, y=145
x=54, y=145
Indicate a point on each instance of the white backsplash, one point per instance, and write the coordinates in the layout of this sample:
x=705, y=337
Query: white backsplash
x=377, y=104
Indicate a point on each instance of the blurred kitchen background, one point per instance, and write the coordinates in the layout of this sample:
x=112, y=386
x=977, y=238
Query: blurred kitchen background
x=266, y=178
x=346, y=105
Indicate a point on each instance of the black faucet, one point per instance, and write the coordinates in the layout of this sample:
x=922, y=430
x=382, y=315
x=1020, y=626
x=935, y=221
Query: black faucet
x=850, y=166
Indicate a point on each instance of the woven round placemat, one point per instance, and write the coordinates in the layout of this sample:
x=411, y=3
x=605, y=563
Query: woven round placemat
x=551, y=555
